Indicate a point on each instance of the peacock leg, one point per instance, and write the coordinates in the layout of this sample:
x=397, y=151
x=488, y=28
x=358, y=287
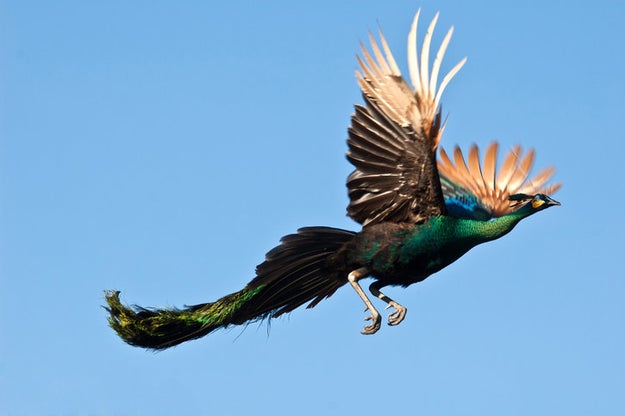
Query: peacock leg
x=353, y=279
x=400, y=311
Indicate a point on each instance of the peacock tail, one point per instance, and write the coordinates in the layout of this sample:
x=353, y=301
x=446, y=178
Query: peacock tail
x=295, y=272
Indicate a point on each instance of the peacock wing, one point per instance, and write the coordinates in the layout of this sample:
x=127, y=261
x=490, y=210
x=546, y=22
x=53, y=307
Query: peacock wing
x=395, y=178
x=490, y=184
x=393, y=138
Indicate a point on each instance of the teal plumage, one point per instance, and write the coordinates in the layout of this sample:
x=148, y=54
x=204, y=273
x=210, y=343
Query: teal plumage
x=419, y=213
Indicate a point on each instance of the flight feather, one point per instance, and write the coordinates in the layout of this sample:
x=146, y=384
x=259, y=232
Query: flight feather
x=393, y=138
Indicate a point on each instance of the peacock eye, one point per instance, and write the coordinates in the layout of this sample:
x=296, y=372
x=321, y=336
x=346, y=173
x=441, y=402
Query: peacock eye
x=537, y=201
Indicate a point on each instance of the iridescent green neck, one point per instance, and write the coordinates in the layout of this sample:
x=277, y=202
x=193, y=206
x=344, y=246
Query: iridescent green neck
x=495, y=228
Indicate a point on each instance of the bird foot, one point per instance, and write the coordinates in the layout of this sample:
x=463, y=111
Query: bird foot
x=375, y=324
x=398, y=315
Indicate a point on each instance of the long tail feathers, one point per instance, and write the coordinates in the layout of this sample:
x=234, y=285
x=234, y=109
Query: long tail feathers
x=163, y=328
x=297, y=271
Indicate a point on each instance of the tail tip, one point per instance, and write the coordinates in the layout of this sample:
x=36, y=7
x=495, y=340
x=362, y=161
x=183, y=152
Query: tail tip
x=115, y=307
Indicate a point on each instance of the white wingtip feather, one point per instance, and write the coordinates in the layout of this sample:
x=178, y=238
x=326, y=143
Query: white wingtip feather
x=413, y=60
x=389, y=55
x=425, y=56
x=446, y=80
x=439, y=59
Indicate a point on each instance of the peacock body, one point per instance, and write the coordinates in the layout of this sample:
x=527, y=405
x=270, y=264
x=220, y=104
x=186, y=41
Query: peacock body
x=419, y=214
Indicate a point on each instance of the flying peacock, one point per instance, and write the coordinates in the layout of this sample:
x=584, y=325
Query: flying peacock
x=418, y=214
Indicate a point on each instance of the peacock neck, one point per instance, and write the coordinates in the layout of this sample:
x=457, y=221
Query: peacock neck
x=495, y=228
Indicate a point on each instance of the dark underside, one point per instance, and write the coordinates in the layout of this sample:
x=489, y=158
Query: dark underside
x=398, y=254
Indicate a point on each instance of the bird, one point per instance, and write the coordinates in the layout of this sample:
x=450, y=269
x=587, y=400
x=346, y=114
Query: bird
x=420, y=209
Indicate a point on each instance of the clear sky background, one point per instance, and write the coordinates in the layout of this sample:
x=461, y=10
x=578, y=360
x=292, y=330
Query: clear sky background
x=162, y=147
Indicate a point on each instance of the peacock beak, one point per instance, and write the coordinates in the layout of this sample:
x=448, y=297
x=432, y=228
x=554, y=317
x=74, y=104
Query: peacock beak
x=552, y=202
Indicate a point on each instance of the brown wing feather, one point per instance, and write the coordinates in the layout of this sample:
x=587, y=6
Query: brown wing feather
x=508, y=166
x=490, y=165
x=393, y=139
x=395, y=177
x=491, y=187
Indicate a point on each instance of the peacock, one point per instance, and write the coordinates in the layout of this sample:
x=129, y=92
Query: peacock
x=420, y=209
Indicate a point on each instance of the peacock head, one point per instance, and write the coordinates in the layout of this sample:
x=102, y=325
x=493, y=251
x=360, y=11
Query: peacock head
x=530, y=204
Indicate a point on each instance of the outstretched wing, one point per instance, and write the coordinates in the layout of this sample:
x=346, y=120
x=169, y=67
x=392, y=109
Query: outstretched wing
x=393, y=138
x=491, y=188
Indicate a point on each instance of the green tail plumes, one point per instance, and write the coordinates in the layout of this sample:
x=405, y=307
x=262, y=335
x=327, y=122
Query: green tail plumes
x=164, y=328
x=295, y=272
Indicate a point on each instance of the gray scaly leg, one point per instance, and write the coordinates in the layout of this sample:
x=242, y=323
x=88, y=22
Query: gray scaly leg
x=400, y=311
x=353, y=279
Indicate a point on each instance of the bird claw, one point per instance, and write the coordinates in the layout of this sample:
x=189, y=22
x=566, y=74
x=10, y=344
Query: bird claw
x=398, y=315
x=375, y=324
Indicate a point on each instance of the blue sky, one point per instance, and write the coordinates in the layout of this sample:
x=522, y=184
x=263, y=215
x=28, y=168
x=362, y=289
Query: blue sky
x=161, y=148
